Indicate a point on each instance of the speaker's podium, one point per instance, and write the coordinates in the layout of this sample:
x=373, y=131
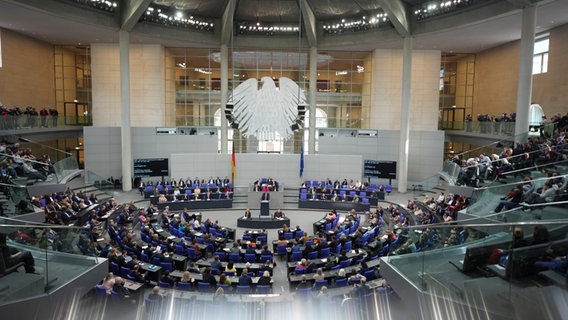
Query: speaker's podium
x=264, y=208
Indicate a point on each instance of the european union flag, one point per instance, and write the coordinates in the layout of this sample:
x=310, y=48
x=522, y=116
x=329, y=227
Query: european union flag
x=302, y=160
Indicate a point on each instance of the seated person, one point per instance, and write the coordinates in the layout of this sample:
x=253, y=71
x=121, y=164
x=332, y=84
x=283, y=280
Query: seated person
x=245, y=279
x=155, y=295
x=512, y=199
x=558, y=264
x=13, y=257
x=278, y=214
x=247, y=213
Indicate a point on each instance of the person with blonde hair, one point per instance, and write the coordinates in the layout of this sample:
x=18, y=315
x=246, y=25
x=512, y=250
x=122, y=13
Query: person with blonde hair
x=220, y=295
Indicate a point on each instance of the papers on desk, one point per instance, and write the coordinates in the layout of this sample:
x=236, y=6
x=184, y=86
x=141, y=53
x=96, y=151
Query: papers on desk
x=324, y=260
x=171, y=237
x=159, y=230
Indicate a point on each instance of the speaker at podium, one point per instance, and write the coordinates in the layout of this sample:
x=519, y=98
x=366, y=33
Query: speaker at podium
x=265, y=204
x=265, y=208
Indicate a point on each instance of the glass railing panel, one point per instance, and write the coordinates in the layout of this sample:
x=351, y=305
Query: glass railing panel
x=65, y=167
x=12, y=123
x=475, y=249
x=58, y=255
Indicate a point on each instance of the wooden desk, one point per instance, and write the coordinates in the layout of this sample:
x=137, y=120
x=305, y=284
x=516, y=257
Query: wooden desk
x=154, y=273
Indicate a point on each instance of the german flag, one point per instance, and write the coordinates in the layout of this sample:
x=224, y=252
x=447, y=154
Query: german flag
x=233, y=165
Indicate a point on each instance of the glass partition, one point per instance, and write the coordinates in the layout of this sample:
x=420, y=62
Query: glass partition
x=47, y=257
x=451, y=256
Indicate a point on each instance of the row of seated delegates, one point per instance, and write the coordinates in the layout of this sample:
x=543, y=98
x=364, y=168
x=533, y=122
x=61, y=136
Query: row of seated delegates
x=62, y=207
x=357, y=185
x=198, y=193
x=342, y=196
x=552, y=190
x=184, y=222
x=445, y=206
x=187, y=183
x=265, y=185
x=114, y=285
x=16, y=162
x=168, y=187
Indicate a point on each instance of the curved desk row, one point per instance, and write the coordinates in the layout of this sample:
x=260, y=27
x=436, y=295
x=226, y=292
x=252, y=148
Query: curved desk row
x=193, y=205
x=262, y=223
x=337, y=205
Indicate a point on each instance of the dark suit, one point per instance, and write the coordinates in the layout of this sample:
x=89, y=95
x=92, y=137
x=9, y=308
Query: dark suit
x=245, y=280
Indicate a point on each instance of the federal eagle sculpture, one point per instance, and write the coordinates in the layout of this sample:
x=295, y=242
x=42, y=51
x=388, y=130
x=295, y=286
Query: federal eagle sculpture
x=262, y=109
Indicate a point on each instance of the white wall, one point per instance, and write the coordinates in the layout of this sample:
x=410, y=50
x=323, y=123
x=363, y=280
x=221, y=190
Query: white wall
x=425, y=152
x=147, y=85
x=191, y=155
x=387, y=90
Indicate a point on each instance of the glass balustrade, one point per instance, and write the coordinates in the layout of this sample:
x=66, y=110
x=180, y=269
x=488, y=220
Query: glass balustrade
x=60, y=254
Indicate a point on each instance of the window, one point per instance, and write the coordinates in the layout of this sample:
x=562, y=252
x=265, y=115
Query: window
x=540, y=58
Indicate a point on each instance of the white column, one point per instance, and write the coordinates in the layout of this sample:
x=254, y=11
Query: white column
x=524, y=86
x=125, y=132
x=312, y=99
x=402, y=175
x=224, y=94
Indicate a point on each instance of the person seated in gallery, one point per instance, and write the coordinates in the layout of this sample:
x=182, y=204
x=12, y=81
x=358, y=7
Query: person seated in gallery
x=334, y=196
x=313, y=196
x=247, y=213
x=197, y=193
x=355, y=198
x=12, y=256
x=344, y=197
x=257, y=185
x=279, y=214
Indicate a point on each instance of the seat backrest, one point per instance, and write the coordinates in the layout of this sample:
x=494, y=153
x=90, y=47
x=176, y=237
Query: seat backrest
x=203, y=286
x=234, y=257
x=340, y=283
x=167, y=266
x=325, y=252
x=345, y=263
x=243, y=289
x=313, y=255
x=184, y=286
x=263, y=289
x=296, y=256
x=281, y=249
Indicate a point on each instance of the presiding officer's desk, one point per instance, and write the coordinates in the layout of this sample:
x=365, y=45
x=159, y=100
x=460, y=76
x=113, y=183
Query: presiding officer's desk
x=262, y=223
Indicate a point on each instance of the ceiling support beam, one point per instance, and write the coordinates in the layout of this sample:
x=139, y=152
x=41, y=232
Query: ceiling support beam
x=132, y=12
x=309, y=22
x=227, y=22
x=397, y=12
x=520, y=3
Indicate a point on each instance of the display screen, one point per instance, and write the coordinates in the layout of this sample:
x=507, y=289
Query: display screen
x=151, y=167
x=380, y=169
